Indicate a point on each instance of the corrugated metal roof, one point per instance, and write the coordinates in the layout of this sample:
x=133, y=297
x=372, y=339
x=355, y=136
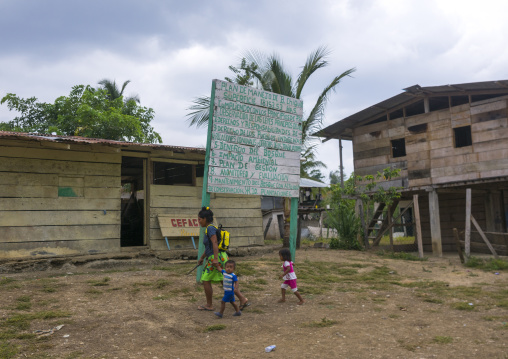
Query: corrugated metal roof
x=86, y=140
x=305, y=182
x=343, y=128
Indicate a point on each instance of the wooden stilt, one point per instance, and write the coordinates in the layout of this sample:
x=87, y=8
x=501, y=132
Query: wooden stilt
x=418, y=226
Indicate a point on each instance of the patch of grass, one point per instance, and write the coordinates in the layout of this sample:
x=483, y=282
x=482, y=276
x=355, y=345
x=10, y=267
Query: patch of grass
x=322, y=324
x=93, y=291
x=6, y=280
x=433, y=300
x=23, y=303
x=260, y=281
x=214, y=327
x=48, y=289
x=462, y=306
x=394, y=316
x=385, y=240
x=256, y=311
x=7, y=350
x=142, y=284
x=23, y=306
x=22, y=321
x=161, y=283
x=100, y=282
x=74, y=355
x=244, y=269
x=503, y=303
x=162, y=297
x=442, y=339
x=487, y=264
x=249, y=287
x=311, y=290
x=400, y=255
x=408, y=346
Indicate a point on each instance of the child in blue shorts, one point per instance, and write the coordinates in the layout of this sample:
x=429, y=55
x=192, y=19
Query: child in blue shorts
x=230, y=284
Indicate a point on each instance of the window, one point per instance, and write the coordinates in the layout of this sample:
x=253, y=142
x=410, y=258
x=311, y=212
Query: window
x=462, y=136
x=173, y=173
x=399, y=147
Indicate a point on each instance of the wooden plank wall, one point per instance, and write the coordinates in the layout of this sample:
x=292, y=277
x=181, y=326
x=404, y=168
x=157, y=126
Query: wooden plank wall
x=372, y=150
x=58, y=199
x=240, y=214
x=431, y=157
x=452, y=209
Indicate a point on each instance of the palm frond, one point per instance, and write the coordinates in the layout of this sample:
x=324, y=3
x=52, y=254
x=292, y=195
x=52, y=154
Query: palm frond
x=315, y=61
x=200, y=112
x=282, y=82
x=314, y=121
x=124, y=85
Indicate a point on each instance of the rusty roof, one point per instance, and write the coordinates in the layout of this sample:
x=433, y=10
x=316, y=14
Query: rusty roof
x=343, y=128
x=86, y=140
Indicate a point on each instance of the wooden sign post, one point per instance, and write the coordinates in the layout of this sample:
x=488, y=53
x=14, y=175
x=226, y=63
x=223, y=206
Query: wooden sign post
x=253, y=147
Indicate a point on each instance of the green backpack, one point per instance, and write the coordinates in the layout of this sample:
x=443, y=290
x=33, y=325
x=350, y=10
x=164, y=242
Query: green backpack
x=222, y=237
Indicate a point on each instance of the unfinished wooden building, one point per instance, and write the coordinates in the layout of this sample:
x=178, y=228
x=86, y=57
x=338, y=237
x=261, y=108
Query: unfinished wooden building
x=62, y=195
x=445, y=140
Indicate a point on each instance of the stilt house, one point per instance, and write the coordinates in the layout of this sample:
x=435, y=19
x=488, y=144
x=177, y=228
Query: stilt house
x=62, y=195
x=445, y=140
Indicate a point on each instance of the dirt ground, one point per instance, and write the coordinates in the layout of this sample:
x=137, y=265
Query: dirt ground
x=358, y=305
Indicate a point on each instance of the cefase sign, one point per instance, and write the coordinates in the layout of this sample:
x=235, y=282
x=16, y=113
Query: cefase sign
x=178, y=226
x=184, y=222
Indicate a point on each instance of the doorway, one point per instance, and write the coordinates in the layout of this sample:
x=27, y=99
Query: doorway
x=133, y=202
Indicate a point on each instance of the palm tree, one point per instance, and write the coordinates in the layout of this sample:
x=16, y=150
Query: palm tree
x=272, y=76
x=114, y=92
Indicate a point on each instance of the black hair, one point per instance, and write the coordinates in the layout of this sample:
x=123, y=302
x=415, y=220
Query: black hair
x=230, y=261
x=285, y=254
x=206, y=213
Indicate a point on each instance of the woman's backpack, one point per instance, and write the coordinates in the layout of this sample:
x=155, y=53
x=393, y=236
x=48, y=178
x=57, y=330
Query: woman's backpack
x=222, y=238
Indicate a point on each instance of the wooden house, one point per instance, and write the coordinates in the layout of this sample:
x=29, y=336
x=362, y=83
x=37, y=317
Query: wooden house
x=62, y=195
x=445, y=140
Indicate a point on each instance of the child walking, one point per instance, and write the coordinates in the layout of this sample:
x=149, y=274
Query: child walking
x=230, y=284
x=289, y=276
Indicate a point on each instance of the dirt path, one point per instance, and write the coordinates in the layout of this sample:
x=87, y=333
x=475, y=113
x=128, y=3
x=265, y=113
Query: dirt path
x=358, y=305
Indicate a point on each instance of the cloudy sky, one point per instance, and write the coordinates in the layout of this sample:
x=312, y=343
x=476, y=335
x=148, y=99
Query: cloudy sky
x=171, y=50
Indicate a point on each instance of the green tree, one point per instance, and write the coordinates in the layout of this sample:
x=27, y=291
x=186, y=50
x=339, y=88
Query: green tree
x=342, y=214
x=86, y=112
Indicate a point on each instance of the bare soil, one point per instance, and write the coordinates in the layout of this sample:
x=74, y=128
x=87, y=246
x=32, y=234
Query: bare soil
x=358, y=305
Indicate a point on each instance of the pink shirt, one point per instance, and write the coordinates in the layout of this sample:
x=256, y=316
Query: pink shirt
x=291, y=275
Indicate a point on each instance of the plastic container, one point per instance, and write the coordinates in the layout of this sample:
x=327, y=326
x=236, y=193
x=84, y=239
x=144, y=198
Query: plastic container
x=269, y=348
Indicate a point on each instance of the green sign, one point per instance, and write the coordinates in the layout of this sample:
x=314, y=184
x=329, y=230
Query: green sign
x=256, y=140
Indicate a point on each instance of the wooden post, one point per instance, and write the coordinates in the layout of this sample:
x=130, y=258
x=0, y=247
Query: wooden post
x=293, y=227
x=205, y=195
x=467, y=239
x=435, y=223
x=418, y=226
x=426, y=105
x=362, y=219
x=341, y=165
x=390, y=224
x=321, y=224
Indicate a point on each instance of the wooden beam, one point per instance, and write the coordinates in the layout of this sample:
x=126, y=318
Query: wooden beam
x=435, y=223
x=484, y=237
x=457, y=243
x=418, y=225
x=467, y=238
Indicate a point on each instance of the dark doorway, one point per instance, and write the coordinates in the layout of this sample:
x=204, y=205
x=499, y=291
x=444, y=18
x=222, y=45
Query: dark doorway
x=133, y=202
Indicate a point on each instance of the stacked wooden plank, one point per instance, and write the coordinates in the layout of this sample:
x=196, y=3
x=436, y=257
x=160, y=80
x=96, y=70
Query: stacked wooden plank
x=58, y=198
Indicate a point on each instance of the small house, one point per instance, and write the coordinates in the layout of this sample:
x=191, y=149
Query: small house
x=65, y=195
x=445, y=140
